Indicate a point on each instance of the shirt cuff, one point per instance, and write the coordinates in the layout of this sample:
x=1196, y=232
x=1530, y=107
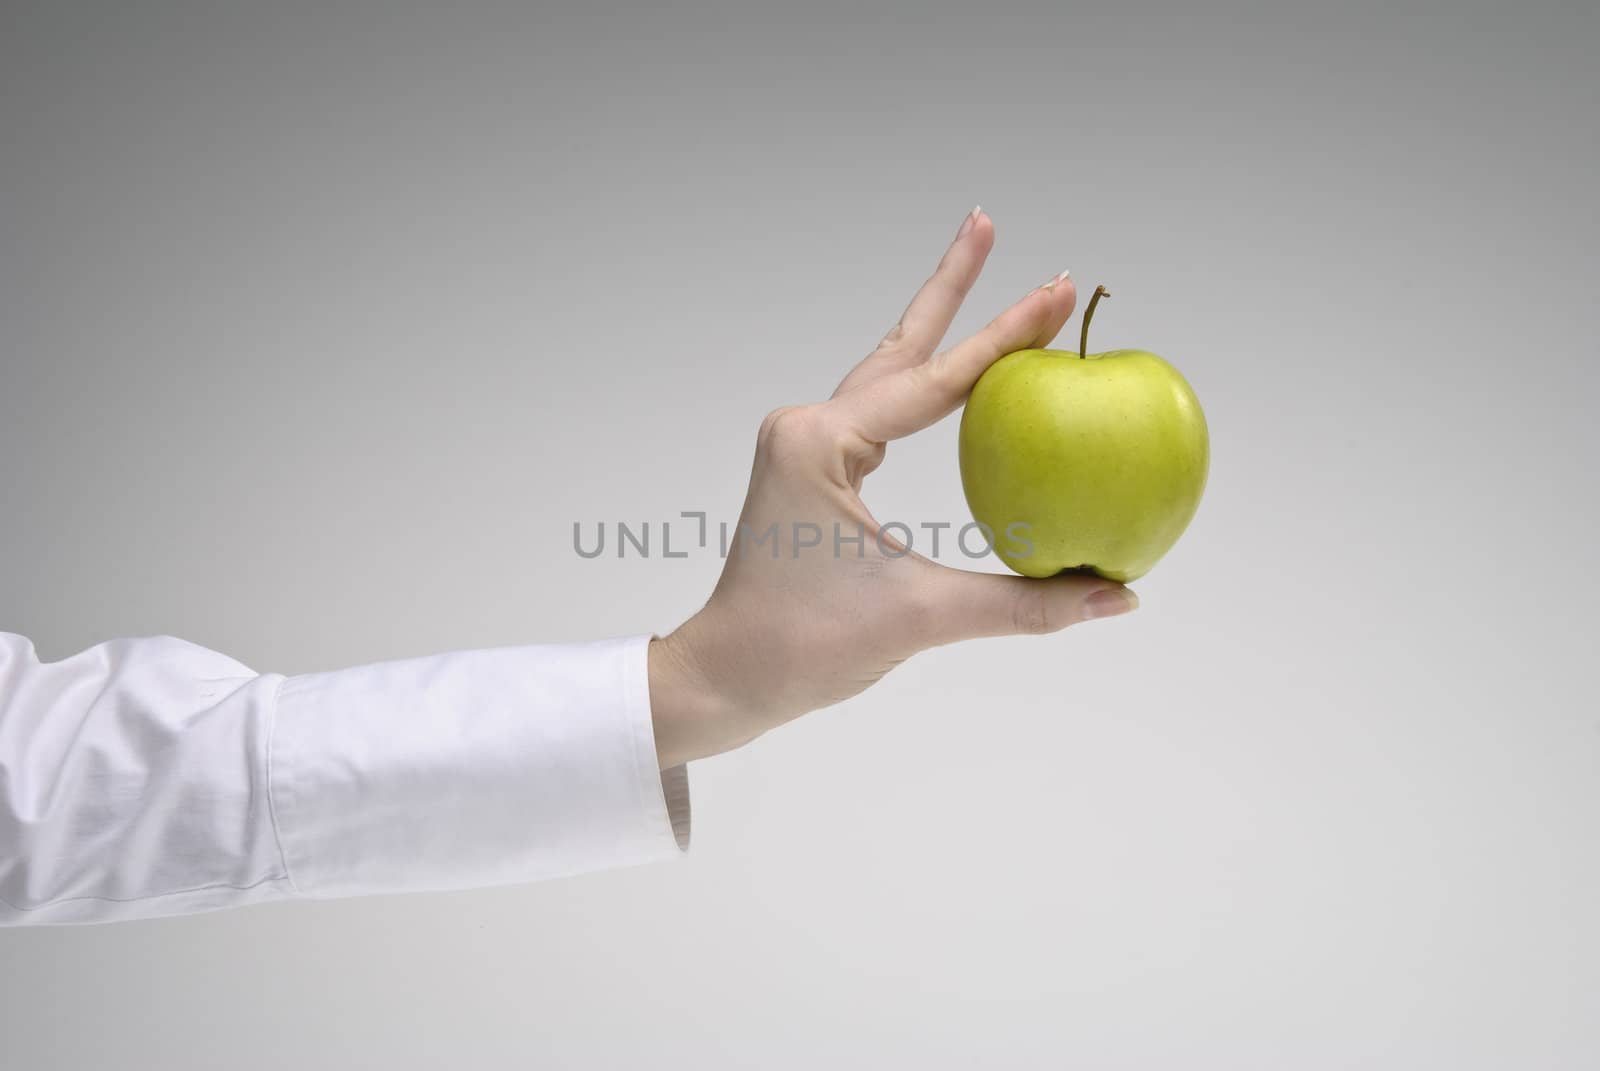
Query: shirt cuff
x=473, y=768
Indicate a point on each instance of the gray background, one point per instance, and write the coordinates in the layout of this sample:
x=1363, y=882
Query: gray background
x=321, y=326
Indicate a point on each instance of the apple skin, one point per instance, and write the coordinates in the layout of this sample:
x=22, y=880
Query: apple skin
x=1104, y=457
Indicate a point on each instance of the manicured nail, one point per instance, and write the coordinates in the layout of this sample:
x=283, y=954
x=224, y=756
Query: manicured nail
x=1110, y=602
x=1057, y=281
x=970, y=222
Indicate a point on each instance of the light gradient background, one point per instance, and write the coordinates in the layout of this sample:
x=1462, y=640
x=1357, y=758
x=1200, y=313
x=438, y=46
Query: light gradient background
x=321, y=324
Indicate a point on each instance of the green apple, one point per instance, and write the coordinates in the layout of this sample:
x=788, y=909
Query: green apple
x=1083, y=462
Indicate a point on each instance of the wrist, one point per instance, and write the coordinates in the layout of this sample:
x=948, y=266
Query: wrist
x=689, y=718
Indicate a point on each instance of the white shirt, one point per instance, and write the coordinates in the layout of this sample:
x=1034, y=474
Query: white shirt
x=148, y=777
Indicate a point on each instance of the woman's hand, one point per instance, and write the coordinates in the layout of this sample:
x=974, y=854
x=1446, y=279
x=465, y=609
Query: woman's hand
x=804, y=616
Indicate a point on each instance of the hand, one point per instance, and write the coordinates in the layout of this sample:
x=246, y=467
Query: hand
x=798, y=622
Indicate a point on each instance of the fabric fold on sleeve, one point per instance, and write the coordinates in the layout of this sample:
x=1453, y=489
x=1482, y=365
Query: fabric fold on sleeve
x=472, y=768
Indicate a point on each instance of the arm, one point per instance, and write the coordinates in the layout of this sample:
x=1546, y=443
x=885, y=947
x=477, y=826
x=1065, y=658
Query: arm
x=149, y=777
x=790, y=629
x=152, y=777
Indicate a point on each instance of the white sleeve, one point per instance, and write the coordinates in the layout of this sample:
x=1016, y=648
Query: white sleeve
x=148, y=777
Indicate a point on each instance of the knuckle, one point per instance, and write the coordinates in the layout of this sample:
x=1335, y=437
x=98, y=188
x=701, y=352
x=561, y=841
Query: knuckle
x=1031, y=612
x=950, y=283
x=770, y=422
x=791, y=427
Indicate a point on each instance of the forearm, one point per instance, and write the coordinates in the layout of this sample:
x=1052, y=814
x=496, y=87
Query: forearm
x=154, y=777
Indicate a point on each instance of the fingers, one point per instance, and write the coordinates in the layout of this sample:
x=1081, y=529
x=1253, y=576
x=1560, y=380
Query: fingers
x=927, y=318
x=968, y=605
x=895, y=405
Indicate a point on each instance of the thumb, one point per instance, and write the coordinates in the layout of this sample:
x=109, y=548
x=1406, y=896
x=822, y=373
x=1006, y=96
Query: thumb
x=970, y=605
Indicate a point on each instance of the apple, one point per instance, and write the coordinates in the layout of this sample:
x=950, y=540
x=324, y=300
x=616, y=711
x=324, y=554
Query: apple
x=1083, y=462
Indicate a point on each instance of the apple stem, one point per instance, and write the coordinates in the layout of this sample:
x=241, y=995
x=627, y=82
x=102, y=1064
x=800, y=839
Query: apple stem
x=1088, y=314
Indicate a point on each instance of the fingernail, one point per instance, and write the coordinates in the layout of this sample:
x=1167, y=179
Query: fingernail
x=1057, y=281
x=1109, y=602
x=970, y=222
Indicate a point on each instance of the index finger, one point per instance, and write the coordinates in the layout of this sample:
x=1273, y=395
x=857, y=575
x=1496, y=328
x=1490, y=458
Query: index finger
x=909, y=400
